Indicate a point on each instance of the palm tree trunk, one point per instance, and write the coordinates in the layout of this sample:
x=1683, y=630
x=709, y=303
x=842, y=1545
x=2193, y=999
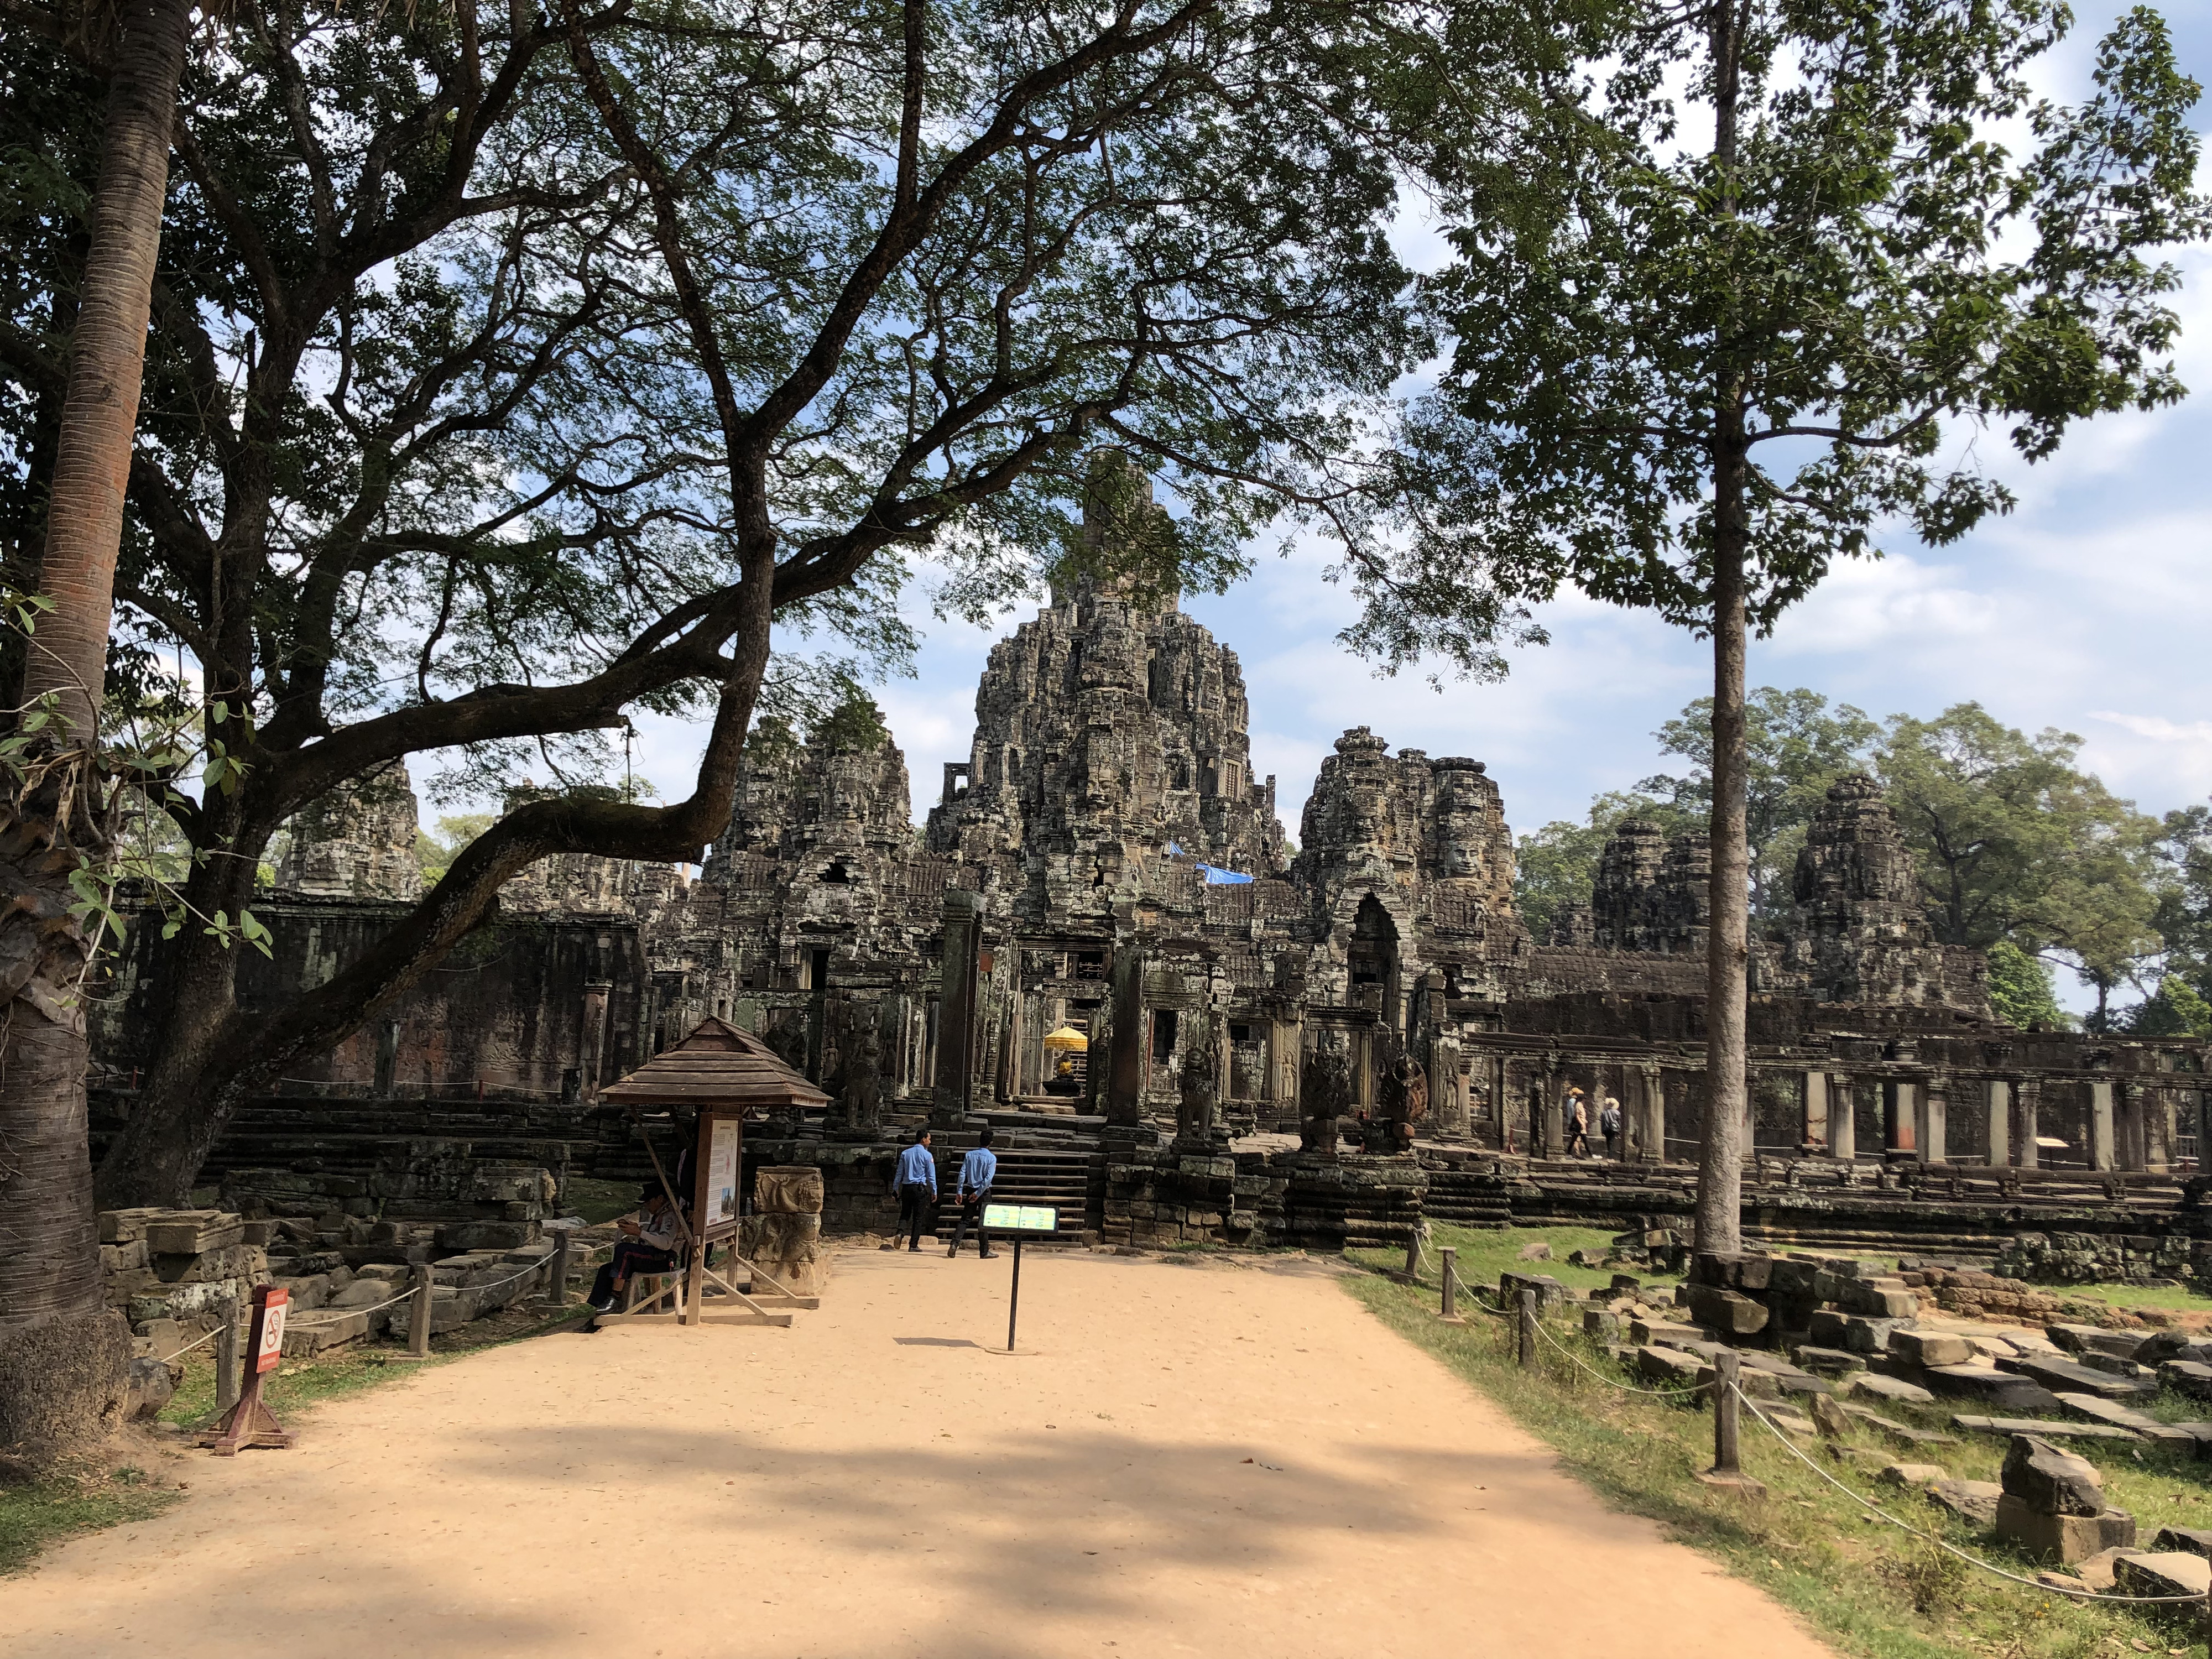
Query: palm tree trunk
x=63, y=1353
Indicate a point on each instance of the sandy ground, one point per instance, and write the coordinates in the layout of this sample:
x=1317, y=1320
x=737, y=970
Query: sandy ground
x=1190, y=1459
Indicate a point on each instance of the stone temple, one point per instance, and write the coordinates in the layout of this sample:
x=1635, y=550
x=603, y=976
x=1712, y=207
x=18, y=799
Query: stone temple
x=1306, y=1047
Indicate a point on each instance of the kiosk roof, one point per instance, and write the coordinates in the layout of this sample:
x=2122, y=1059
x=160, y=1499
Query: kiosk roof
x=718, y=1065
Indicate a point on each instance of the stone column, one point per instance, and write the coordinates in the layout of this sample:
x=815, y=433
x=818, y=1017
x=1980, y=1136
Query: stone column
x=1816, y=1110
x=1930, y=1120
x=952, y=1091
x=2130, y=1126
x=1125, y=1065
x=1999, y=1095
x=1843, y=1116
x=1501, y=1104
x=1650, y=1122
x=2101, y=1154
x=2026, y=1112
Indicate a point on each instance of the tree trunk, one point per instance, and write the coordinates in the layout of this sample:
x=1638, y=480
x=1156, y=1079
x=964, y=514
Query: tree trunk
x=107, y=354
x=1727, y=940
x=65, y=1356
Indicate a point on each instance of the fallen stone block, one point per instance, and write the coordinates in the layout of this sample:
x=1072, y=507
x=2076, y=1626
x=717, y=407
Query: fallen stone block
x=2189, y=1377
x=1830, y=1417
x=1865, y=1335
x=1729, y=1312
x=2063, y=1374
x=2091, y=1409
x=1669, y=1367
x=2099, y=1572
x=1662, y=1332
x=1886, y=1387
x=1901, y=1433
x=2189, y=1540
x=1974, y=1502
x=1601, y=1324
x=1913, y=1475
x=2001, y=1389
x=1539, y=1251
x=192, y=1232
x=2064, y=1538
x=1827, y=1362
x=1878, y=1299
x=2052, y=1481
x=1930, y=1347
x=2079, y=1339
x=2010, y=1426
x=2174, y=1572
x=312, y=1333
x=150, y=1386
x=1550, y=1293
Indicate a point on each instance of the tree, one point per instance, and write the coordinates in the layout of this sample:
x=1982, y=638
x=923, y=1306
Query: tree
x=1555, y=867
x=1795, y=746
x=63, y=1350
x=1689, y=379
x=2013, y=841
x=2175, y=1009
x=2020, y=991
x=550, y=361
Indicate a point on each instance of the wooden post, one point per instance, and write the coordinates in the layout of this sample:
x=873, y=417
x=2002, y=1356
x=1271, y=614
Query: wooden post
x=226, y=1372
x=1727, y=1469
x=1414, y=1255
x=1527, y=1330
x=1449, y=1311
x=419, y=1315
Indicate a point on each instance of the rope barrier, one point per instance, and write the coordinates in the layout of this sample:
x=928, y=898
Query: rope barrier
x=1660, y=1394
x=1949, y=1548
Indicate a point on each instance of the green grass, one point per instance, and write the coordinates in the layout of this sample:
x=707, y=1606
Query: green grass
x=1869, y=1588
x=33, y=1518
x=2169, y=1298
x=598, y=1201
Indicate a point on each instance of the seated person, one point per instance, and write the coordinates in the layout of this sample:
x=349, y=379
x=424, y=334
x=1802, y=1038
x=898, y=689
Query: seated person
x=648, y=1245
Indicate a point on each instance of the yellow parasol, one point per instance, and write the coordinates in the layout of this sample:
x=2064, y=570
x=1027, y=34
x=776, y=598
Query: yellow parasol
x=1066, y=1039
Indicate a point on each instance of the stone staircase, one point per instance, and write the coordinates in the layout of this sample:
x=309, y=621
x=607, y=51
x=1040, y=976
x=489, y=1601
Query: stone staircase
x=1062, y=1177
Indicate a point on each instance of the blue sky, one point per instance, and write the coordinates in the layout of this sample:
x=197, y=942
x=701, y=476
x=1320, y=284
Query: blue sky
x=2087, y=609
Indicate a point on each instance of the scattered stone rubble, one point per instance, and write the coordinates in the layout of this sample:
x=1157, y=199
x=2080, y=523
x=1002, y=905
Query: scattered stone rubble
x=178, y=1274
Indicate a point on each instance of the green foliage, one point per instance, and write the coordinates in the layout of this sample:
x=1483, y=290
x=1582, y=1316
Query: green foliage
x=2175, y=1009
x=2012, y=840
x=1796, y=746
x=2021, y=990
x=434, y=854
x=855, y=725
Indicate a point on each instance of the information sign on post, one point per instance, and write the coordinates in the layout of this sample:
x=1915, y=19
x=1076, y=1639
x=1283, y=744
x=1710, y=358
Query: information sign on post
x=1023, y=1221
x=250, y=1422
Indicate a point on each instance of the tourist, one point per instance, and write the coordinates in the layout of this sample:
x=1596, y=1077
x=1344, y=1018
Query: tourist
x=1578, y=1125
x=915, y=1184
x=977, y=1171
x=1608, y=1123
x=648, y=1245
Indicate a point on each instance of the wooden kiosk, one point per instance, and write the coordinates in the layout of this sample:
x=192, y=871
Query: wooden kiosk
x=723, y=1073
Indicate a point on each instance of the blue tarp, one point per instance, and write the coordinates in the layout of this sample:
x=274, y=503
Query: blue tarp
x=1217, y=877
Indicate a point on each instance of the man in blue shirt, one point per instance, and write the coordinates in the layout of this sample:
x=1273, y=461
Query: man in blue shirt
x=916, y=1185
x=977, y=1171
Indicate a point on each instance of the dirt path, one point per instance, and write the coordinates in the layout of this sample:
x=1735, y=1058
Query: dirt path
x=1231, y=1462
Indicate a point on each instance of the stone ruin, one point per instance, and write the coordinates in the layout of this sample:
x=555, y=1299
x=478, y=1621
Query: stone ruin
x=1105, y=860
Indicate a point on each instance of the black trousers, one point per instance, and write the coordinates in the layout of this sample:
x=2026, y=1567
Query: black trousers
x=915, y=1202
x=973, y=1209
x=630, y=1257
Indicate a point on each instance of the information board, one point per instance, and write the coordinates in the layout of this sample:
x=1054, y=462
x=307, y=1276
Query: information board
x=1021, y=1218
x=722, y=1172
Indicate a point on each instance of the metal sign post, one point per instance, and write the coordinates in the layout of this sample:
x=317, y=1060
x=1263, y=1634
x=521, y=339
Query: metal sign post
x=1022, y=1220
